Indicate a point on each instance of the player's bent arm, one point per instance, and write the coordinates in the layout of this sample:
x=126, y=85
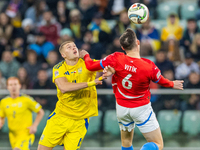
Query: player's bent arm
x=91, y=64
x=65, y=86
x=2, y=120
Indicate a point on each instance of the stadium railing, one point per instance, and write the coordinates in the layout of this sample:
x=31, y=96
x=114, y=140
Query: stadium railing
x=110, y=92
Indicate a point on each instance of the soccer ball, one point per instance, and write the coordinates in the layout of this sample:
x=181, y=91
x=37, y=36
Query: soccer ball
x=138, y=13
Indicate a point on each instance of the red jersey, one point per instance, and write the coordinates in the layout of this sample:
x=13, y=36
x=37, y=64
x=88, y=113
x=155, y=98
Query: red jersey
x=132, y=78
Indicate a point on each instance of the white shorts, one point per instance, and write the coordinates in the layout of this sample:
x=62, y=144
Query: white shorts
x=142, y=116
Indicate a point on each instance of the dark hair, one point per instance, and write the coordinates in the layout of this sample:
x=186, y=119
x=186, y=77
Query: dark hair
x=191, y=19
x=128, y=39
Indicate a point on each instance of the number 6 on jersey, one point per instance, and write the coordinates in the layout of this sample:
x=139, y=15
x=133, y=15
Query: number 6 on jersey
x=126, y=80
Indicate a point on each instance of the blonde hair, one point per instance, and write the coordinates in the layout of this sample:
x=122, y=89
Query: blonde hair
x=193, y=47
x=63, y=44
x=12, y=78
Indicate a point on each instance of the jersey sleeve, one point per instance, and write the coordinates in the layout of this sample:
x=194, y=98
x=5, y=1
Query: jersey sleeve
x=33, y=105
x=94, y=65
x=58, y=72
x=2, y=111
x=109, y=60
x=156, y=74
x=158, y=78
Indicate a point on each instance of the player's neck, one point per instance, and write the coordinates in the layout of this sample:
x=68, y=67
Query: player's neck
x=14, y=95
x=133, y=53
x=71, y=62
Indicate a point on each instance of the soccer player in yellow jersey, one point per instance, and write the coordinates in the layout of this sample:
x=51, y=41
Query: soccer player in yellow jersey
x=18, y=110
x=77, y=101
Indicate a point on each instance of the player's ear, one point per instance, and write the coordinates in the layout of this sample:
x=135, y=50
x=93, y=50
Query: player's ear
x=122, y=48
x=138, y=42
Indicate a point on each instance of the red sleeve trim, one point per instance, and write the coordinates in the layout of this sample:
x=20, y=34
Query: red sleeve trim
x=165, y=82
x=92, y=65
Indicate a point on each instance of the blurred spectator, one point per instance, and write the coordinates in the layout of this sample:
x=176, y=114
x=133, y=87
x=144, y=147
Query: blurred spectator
x=24, y=79
x=169, y=74
x=170, y=35
x=75, y=24
x=49, y=27
x=115, y=46
x=42, y=81
x=8, y=65
x=6, y=30
x=32, y=65
x=2, y=81
x=87, y=11
x=195, y=47
x=35, y=12
x=117, y=6
x=162, y=62
x=149, y=39
x=42, y=47
x=192, y=103
x=194, y=81
x=102, y=7
x=97, y=25
x=169, y=102
x=151, y=5
x=94, y=49
x=13, y=8
x=62, y=14
x=47, y=102
x=198, y=11
x=18, y=49
x=122, y=24
x=52, y=60
x=183, y=70
x=189, y=34
x=71, y=4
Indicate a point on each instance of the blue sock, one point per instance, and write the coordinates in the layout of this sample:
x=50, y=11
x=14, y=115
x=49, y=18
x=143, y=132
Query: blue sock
x=150, y=146
x=127, y=148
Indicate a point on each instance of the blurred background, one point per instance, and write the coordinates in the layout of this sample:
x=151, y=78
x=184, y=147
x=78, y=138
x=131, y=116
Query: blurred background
x=32, y=30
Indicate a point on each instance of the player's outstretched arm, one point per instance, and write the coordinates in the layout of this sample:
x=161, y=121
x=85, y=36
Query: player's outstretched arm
x=65, y=86
x=2, y=120
x=178, y=84
x=33, y=128
x=90, y=64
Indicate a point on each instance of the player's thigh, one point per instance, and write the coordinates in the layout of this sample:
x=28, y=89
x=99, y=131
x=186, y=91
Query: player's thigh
x=145, y=120
x=125, y=121
x=154, y=136
x=73, y=139
x=24, y=142
x=54, y=130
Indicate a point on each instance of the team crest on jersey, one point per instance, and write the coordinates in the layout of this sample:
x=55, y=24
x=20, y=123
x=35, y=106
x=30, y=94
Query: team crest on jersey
x=20, y=104
x=79, y=70
x=56, y=73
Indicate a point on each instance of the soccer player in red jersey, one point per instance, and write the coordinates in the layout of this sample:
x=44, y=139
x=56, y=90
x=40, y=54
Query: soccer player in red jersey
x=131, y=79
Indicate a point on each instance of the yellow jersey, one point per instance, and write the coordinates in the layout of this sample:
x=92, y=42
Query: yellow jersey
x=78, y=104
x=18, y=112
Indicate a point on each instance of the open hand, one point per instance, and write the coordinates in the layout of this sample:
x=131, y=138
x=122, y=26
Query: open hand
x=178, y=84
x=108, y=71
